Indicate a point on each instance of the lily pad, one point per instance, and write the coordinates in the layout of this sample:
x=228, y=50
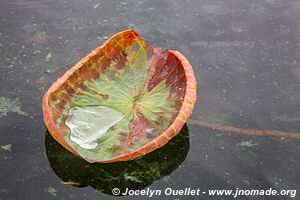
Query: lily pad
x=122, y=101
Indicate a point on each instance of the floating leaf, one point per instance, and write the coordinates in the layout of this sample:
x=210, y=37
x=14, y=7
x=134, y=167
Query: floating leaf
x=123, y=100
x=70, y=183
x=39, y=37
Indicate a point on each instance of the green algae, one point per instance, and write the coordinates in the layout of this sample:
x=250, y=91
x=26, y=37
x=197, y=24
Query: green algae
x=249, y=143
x=6, y=147
x=48, y=57
x=10, y=105
x=51, y=191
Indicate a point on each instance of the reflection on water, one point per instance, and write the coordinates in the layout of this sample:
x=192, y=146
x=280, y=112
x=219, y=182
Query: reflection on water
x=135, y=174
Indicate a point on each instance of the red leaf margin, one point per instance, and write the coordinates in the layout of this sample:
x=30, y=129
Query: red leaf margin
x=183, y=115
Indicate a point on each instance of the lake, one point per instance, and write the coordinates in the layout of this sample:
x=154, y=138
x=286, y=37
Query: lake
x=245, y=56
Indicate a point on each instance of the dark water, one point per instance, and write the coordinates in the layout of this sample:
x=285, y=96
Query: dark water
x=251, y=80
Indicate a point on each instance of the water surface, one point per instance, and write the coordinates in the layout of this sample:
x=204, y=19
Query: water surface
x=246, y=60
